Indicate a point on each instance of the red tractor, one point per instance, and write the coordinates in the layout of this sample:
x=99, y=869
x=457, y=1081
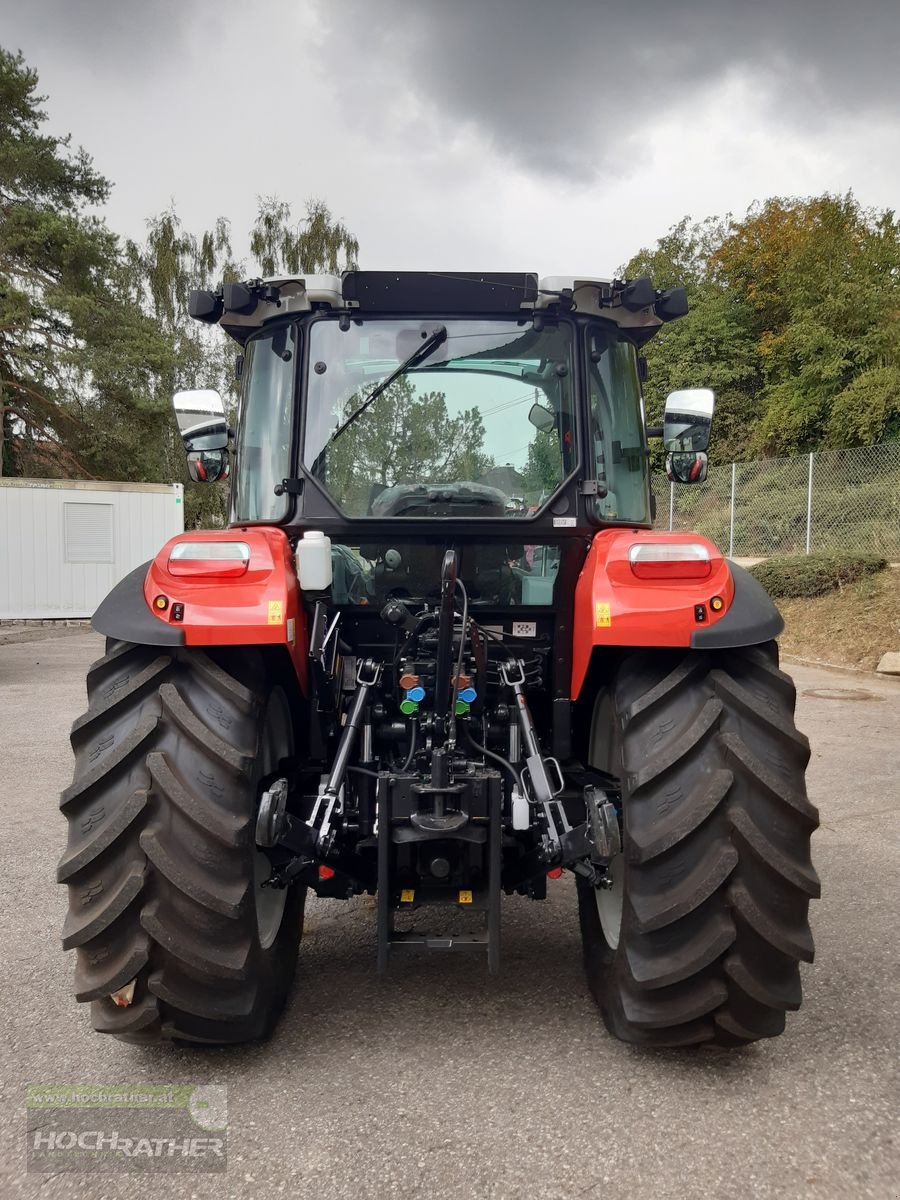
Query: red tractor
x=438, y=655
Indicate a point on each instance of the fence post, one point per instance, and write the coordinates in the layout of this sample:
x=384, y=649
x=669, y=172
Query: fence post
x=671, y=505
x=809, y=505
x=731, y=516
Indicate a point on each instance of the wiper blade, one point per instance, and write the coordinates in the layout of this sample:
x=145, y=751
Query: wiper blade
x=436, y=338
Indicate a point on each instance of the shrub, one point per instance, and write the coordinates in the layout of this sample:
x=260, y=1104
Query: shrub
x=813, y=574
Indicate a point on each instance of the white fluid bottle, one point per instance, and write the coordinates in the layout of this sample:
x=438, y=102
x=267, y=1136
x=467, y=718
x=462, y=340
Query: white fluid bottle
x=314, y=561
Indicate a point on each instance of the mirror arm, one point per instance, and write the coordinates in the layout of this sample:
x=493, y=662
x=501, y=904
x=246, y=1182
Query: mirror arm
x=654, y=431
x=291, y=487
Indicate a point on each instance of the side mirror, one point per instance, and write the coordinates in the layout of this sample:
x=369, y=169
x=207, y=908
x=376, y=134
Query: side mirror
x=201, y=419
x=688, y=419
x=208, y=466
x=687, y=466
x=542, y=418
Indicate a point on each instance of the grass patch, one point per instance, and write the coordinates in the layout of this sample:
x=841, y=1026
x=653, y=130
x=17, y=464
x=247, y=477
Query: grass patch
x=808, y=575
x=850, y=627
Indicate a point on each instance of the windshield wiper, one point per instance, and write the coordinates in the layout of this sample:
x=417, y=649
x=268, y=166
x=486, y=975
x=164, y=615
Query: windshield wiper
x=436, y=338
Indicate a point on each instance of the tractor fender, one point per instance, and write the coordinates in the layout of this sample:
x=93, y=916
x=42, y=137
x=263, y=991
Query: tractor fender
x=614, y=607
x=123, y=614
x=207, y=601
x=750, y=619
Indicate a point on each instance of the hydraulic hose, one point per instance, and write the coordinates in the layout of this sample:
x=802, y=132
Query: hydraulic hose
x=413, y=737
x=498, y=758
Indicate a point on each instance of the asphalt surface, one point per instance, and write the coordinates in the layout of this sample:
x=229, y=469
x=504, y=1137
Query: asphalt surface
x=439, y=1081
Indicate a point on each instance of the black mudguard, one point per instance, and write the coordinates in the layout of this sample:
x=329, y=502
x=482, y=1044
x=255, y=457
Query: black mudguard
x=124, y=615
x=751, y=619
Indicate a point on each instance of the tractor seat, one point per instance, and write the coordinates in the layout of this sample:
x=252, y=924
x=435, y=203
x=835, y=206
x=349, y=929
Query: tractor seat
x=440, y=500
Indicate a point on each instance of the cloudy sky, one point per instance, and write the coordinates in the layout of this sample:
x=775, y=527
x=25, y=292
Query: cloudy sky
x=505, y=134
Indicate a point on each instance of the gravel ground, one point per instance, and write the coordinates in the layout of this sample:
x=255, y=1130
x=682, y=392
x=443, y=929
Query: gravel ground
x=439, y=1081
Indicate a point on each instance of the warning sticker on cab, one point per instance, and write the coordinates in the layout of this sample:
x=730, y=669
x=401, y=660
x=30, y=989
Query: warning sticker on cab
x=276, y=612
x=602, y=619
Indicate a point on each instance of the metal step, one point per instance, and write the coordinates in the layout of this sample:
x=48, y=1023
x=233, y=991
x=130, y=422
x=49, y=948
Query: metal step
x=413, y=940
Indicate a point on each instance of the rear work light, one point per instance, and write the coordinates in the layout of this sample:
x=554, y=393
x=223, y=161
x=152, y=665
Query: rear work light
x=224, y=560
x=670, y=560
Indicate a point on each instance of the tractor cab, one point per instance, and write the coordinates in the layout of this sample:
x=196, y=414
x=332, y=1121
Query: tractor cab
x=371, y=399
x=384, y=408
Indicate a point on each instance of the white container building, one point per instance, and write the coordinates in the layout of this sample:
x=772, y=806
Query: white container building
x=65, y=543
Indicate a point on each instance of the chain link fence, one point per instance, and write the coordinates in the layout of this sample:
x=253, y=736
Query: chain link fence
x=827, y=501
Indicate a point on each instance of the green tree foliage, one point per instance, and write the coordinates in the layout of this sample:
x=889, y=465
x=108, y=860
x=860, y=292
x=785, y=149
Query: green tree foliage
x=406, y=436
x=713, y=346
x=60, y=298
x=318, y=243
x=820, y=279
x=542, y=465
x=173, y=261
x=95, y=334
x=793, y=322
x=87, y=365
x=161, y=274
x=867, y=410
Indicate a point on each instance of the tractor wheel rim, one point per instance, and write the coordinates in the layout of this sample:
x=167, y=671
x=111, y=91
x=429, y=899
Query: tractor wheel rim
x=276, y=743
x=610, y=902
x=270, y=902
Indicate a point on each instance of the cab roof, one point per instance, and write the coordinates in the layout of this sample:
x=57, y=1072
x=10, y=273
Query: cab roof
x=241, y=308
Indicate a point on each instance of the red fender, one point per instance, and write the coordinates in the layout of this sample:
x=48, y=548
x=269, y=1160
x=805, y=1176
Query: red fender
x=228, y=603
x=615, y=607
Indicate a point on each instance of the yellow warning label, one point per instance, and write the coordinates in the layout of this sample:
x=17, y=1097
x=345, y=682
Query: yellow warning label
x=407, y=896
x=602, y=619
x=465, y=897
x=276, y=613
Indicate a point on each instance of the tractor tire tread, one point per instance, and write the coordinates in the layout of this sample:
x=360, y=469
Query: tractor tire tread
x=718, y=873
x=159, y=864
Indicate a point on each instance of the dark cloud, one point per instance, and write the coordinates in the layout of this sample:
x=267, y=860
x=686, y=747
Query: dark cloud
x=558, y=85
x=454, y=131
x=110, y=37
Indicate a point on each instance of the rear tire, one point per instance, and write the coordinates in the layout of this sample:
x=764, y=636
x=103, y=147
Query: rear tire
x=715, y=877
x=161, y=865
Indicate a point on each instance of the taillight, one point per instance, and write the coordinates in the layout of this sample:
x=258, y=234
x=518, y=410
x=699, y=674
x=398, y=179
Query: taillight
x=669, y=560
x=222, y=560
